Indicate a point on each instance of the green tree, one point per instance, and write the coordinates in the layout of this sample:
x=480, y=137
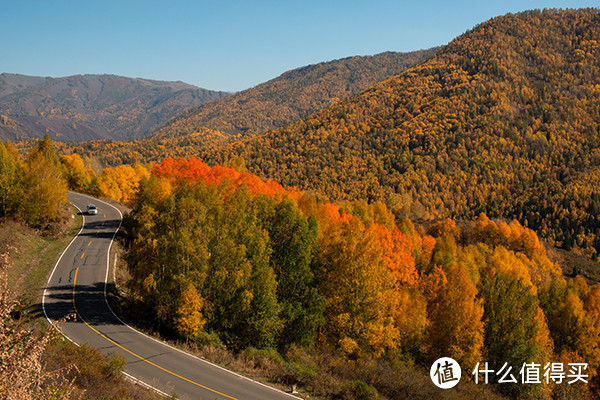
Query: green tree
x=11, y=171
x=294, y=243
x=242, y=285
x=455, y=313
x=511, y=327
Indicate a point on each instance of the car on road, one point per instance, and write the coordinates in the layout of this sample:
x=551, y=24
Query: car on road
x=92, y=209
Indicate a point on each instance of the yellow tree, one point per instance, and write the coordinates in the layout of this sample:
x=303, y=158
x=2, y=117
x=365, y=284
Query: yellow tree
x=592, y=307
x=487, y=231
x=121, y=183
x=573, y=312
x=189, y=320
x=455, y=313
x=443, y=228
x=11, y=170
x=78, y=177
x=359, y=289
x=45, y=189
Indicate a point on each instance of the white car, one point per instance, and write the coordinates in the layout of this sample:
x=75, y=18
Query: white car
x=91, y=209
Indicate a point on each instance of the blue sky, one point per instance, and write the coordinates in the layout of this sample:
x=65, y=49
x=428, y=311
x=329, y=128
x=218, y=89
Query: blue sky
x=223, y=44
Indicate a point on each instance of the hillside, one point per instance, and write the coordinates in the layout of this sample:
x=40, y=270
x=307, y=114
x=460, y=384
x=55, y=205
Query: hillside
x=86, y=107
x=503, y=120
x=292, y=95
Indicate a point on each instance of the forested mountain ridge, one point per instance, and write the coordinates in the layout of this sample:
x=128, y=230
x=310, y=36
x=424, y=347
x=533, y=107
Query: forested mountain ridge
x=503, y=120
x=292, y=95
x=85, y=107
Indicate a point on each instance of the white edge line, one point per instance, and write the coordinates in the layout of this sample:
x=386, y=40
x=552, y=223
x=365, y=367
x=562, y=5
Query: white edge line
x=150, y=337
x=142, y=383
x=52, y=274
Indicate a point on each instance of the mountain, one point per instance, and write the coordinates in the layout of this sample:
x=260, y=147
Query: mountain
x=85, y=107
x=503, y=120
x=291, y=96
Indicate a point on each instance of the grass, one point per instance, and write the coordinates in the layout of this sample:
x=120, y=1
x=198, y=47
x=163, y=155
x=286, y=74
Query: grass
x=36, y=253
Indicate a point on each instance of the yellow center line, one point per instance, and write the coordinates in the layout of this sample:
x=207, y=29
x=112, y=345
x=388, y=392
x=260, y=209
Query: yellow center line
x=89, y=243
x=134, y=354
x=82, y=254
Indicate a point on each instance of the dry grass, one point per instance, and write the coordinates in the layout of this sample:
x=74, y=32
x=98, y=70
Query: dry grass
x=97, y=376
x=573, y=264
x=34, y=252
x=23, y=374
x=324, y=374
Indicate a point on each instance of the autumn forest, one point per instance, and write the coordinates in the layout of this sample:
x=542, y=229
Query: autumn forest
x=411, y=219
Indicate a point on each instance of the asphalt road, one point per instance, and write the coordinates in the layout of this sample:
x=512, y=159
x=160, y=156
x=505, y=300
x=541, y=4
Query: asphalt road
x=77, y=286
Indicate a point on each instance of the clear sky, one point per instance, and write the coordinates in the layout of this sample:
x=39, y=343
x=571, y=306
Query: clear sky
x=224, y=44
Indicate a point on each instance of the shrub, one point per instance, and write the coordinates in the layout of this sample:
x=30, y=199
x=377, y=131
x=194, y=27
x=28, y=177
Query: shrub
x=360, y=390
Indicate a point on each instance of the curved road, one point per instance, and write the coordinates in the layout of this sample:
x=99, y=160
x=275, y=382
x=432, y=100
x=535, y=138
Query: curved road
x=77, y=286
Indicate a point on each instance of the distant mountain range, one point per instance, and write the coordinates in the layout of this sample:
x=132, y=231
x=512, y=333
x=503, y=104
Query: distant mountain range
x=86, y=107
x=291, y=96
x=275, y=103
x=92, y=107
